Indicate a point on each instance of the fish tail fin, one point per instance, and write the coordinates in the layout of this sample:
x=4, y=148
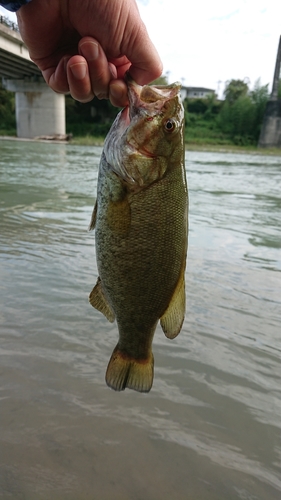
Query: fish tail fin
x=124, y=371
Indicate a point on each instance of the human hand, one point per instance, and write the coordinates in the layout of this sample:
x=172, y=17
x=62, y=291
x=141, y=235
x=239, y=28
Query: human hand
x=86, y=48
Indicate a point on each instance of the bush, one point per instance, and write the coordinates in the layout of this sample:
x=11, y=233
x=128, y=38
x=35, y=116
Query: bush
x=86, y=128
x=7, y=112
x=242, y=117
x=196, y=105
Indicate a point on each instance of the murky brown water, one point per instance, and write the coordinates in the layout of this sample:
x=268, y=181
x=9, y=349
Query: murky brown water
x=210, y=427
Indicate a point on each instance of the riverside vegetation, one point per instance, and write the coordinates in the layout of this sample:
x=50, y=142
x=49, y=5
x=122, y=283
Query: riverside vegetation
x=234, y=121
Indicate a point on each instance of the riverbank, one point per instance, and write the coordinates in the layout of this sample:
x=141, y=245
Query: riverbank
x=89, y=140
x=253, y=150
x=219, y=148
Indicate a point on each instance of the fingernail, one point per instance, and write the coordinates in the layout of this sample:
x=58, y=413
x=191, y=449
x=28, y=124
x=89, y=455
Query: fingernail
x=116, y=91
x=90, y=50
x=79, y=70
x=118, y=95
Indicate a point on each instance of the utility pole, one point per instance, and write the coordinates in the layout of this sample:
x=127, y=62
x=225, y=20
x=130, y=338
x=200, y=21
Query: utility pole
x=276, y=77
x=270, y=135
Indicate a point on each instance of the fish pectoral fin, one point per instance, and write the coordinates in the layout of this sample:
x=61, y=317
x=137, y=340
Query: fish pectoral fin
x=125, y=371
x=98, y=300
x=93, y=218
x=172, y=319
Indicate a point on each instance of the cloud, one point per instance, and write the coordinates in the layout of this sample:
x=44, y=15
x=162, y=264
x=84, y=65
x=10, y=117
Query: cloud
x=10, y=15
x=205, y=44
x=226, y=17
x=214, y=42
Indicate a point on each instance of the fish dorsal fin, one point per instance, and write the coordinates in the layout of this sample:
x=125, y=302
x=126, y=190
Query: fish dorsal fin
x=172, y=319
x=93, y=218
x=98, y=300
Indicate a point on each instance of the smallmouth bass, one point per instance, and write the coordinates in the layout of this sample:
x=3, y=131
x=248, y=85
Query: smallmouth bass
x=141, y=230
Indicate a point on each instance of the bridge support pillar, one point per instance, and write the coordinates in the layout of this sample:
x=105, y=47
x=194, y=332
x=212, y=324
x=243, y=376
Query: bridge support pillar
x=270, y=135
x=39, y=110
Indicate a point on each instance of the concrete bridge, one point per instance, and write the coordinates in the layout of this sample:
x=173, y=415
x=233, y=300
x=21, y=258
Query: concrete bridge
x=39, y=110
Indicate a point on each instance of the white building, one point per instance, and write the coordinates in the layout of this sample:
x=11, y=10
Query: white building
x=195, y=92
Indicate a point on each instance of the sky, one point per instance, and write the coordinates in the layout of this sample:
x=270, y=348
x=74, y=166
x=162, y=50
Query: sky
x=207, y=43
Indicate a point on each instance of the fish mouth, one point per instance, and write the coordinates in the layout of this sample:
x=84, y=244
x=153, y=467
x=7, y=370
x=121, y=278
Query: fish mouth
x=149, y=98
x=146, y=101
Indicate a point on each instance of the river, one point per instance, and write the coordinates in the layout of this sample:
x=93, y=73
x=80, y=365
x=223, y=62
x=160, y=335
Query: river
x=210, y=427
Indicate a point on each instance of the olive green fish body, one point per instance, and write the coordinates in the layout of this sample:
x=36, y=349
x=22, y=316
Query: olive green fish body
x=141, y=244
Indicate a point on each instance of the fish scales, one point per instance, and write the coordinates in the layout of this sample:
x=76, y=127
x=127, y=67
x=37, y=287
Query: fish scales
x=141, y=239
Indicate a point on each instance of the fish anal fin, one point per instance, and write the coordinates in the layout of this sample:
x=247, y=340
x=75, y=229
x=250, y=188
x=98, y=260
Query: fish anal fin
x=124, y=371
x=98, y=300
x=93, y=218
x=172, y=319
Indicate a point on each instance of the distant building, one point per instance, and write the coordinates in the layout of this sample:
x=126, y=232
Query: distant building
x=195, y=92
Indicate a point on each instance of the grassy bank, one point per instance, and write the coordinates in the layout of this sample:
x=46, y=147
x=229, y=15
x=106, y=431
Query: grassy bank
x=234, y=149
x=89, y=140
x=192, y=146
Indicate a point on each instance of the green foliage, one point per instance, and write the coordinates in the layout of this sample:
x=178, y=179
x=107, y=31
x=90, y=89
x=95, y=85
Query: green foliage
x=201, y=121
x=198, y=106
x=208, y=106
x=235, y=89
x=88, y=129
x=237, y=120
x=200, y=129
x=241, y=118
x=162, y=80
x=7, y=112
x=259, y=96
x=92, y=118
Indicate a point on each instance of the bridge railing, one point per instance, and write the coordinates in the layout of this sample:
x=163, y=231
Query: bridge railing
x=7, y=22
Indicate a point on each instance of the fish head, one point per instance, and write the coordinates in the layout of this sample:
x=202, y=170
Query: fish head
x=147, y=136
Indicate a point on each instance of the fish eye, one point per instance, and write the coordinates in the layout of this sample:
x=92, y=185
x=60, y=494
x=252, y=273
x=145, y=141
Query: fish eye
x=170, y=125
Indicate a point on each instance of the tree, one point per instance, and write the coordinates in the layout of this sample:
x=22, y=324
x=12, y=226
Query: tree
x=237, y=119
x=7, y=111
x=162, y=80
x=235, y=89
x=259, y=96
x=242, y=114
x=91, y=118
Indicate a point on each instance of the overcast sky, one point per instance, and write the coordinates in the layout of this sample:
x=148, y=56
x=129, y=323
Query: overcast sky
x=207, y=43
x=213, y=41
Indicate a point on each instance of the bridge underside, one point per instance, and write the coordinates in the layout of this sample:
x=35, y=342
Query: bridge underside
x=14, y=67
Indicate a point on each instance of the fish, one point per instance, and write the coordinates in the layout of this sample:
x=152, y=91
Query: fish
x=141, y=230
